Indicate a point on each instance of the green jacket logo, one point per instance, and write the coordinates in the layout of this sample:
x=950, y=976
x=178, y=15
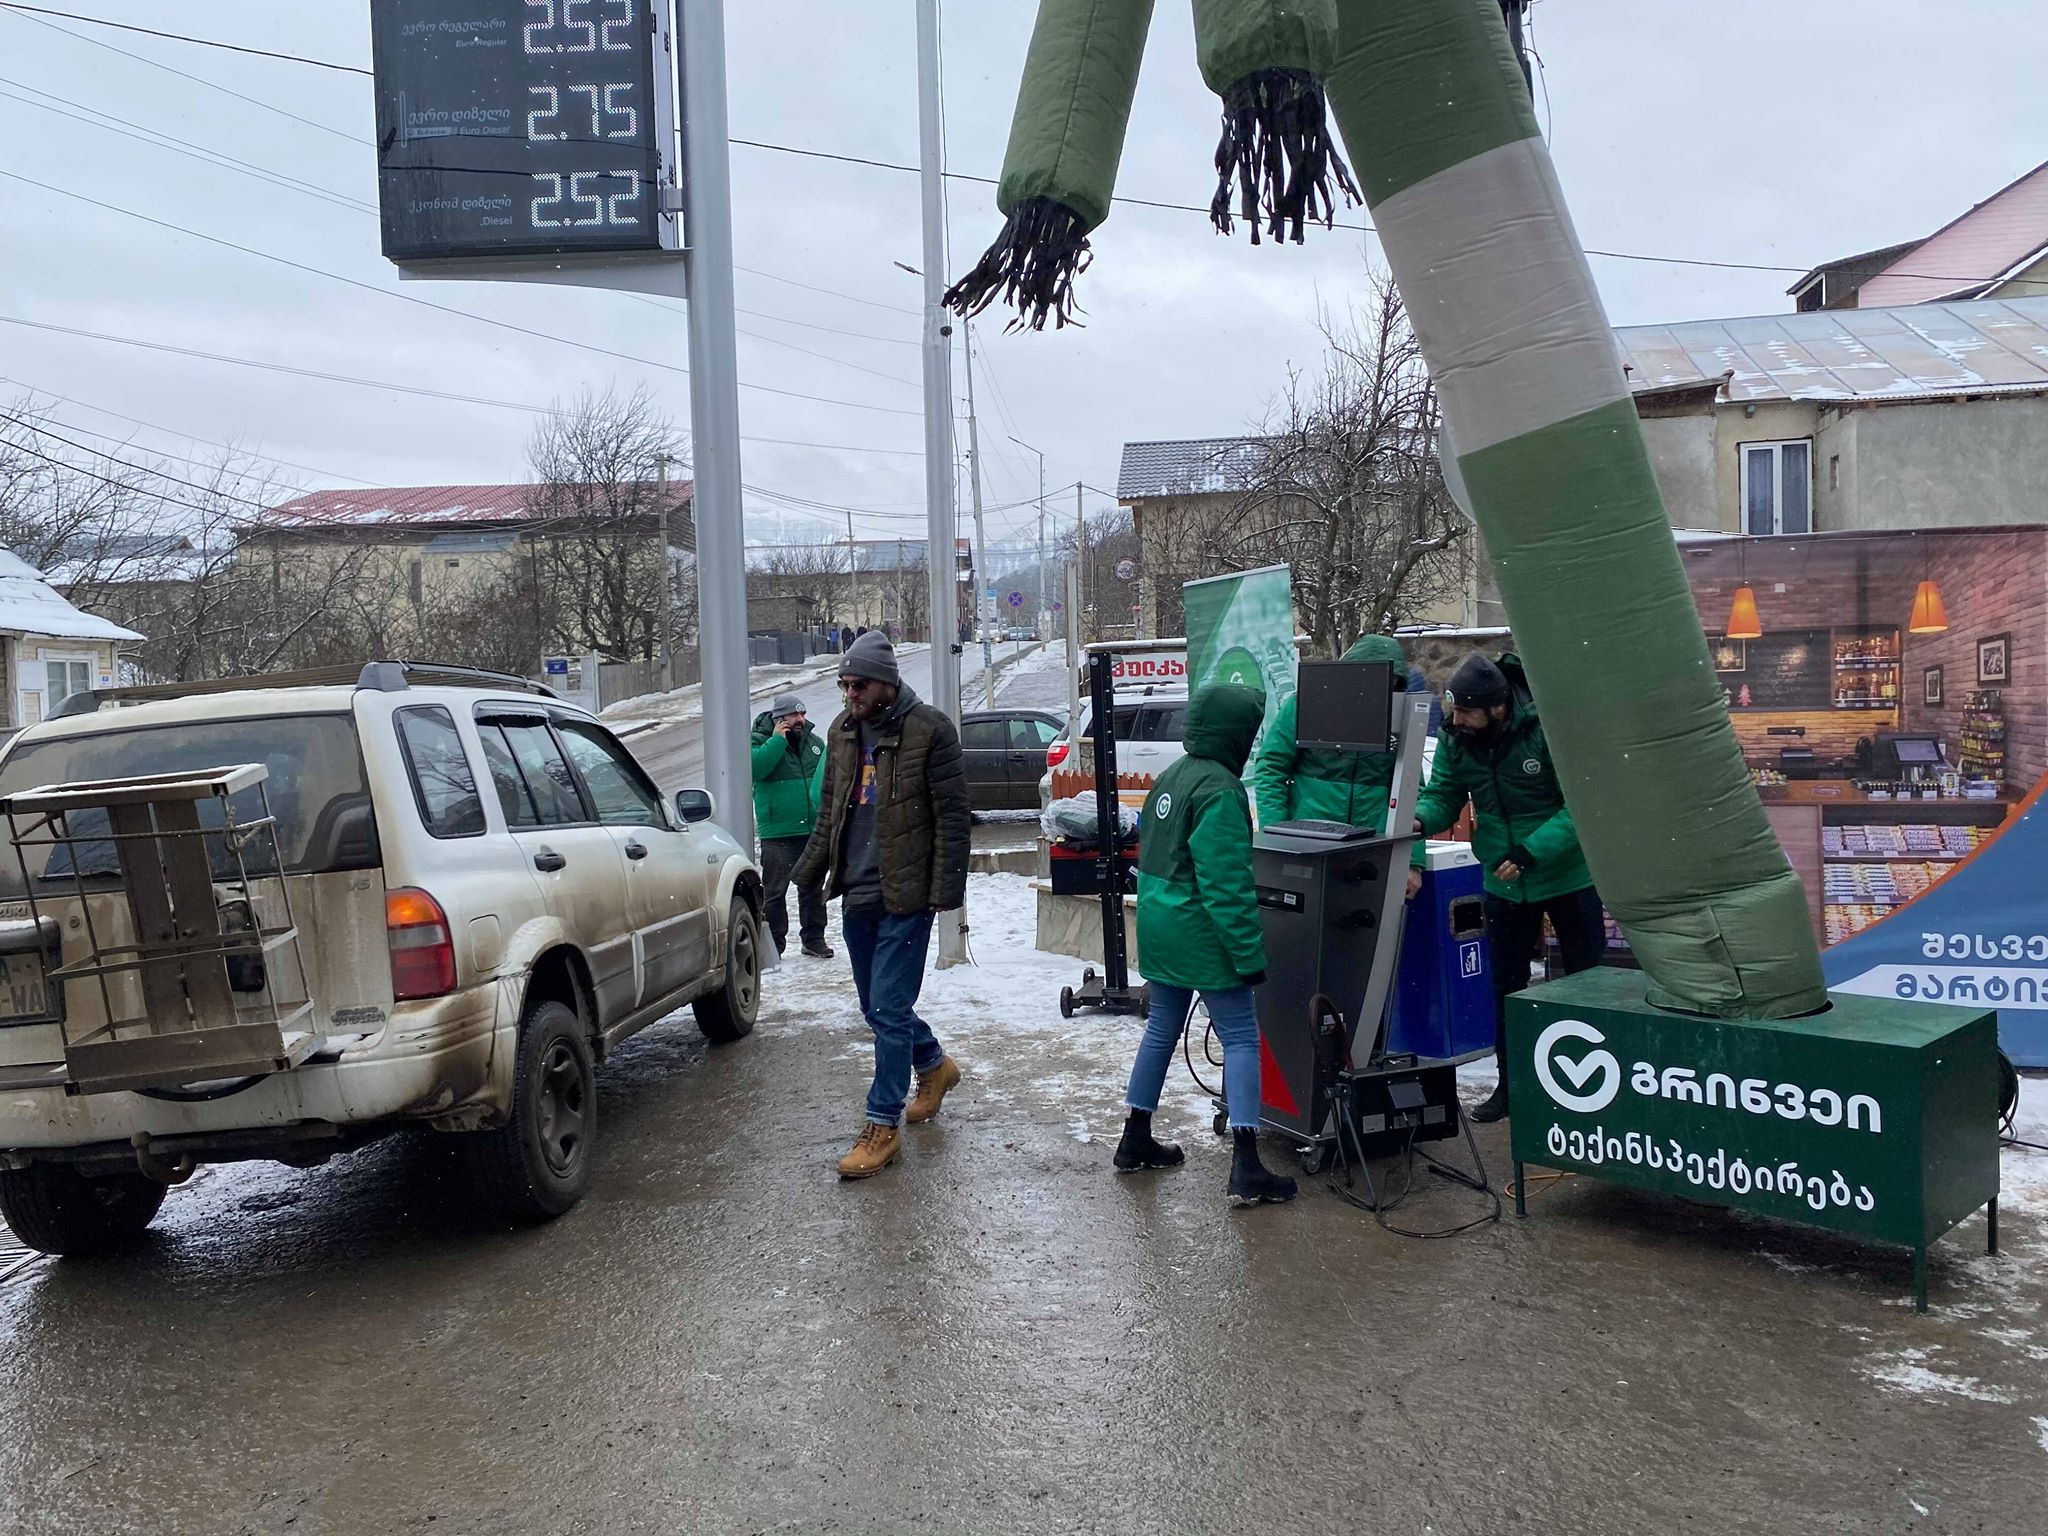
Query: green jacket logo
x=1599, y=1064
x=1531, y=765
x=1163, y=806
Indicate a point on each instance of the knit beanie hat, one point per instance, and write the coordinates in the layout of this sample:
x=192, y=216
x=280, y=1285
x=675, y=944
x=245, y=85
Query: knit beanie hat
x=872, y=656
x=1477, y=684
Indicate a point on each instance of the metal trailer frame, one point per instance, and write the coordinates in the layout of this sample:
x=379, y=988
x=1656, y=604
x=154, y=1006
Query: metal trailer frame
x=192, y=1028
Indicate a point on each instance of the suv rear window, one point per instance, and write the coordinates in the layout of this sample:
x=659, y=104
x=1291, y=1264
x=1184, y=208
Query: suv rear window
x=316, y=787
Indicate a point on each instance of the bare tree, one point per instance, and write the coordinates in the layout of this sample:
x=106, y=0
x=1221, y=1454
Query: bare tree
x=1111, y=562
x=595, y=569
x=1345, y=486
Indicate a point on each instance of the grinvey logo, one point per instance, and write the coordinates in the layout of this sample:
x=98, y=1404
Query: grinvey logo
x=1163, y=806
x=1580, y=1072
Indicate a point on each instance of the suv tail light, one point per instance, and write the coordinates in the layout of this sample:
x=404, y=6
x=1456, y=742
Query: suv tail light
x=422, y=949
x=1057, y=753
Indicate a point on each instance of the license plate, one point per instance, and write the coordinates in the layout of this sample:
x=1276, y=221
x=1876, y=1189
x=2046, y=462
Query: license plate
x=24, y=993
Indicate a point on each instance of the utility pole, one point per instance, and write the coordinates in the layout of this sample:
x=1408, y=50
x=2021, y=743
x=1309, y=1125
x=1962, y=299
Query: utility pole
x=853, y=568
x=665, y=606
x=1080, y=546
x=938, y=410
x=715, y=417
x=984, y=604
x=1043, y=629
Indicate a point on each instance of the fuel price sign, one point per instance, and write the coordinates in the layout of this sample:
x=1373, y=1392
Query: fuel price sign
x=523, y=127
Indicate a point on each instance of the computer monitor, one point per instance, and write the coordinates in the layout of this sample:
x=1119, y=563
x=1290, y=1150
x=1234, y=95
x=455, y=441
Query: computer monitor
x=1920, y=750
x=1345, y=706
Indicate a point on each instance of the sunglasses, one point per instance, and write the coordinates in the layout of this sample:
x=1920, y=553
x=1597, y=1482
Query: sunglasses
x=855, y=684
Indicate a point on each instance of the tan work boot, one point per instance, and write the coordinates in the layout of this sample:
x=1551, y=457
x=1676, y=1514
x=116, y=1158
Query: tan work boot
x=874, y=1149
x=932, y=1088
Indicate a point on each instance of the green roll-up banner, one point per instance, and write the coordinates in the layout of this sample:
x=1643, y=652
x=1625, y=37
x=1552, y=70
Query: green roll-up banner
x=1240, y=629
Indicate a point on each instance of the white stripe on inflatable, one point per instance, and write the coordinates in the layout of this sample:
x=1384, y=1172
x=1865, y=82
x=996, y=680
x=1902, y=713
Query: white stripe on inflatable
x=1512, y=324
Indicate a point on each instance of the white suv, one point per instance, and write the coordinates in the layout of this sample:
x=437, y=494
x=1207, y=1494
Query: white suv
x=489, y=892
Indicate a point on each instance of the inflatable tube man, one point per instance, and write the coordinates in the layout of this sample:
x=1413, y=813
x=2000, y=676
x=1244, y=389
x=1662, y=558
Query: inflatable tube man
x=1539, y=424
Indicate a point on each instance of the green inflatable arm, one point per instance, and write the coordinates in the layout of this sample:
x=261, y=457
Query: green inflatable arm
x=1433, y=107
x=1060, y=168
x=1268, y=59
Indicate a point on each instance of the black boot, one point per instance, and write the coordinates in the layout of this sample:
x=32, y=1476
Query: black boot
x=1495, y=1105
x=1138, y=1150
x=1250, y=1183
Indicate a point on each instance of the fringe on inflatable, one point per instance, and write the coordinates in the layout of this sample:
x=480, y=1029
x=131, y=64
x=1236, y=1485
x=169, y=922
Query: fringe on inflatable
x=1278, y=154
x=1031, y=267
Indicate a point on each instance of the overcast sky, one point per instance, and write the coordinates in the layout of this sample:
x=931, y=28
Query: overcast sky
x=1773, y=132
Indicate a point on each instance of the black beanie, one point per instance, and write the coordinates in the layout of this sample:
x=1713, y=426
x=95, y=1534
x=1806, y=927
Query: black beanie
x=1477, y=684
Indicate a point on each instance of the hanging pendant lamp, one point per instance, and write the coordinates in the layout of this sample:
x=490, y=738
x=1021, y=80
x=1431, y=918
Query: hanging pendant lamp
x=1743, y=623
x=1930, y=617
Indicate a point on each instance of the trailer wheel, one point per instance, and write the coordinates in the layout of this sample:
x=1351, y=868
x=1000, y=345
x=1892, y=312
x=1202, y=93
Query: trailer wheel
x=57, y=1209
x=1066, y=1002
x=538, y=1164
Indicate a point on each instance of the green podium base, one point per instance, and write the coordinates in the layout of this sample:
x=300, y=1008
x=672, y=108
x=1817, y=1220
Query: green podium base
x=1877, y=1118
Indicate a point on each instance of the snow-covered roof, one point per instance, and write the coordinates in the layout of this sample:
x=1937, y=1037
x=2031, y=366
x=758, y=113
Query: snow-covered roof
x=1198, y=466
x=1974, y=347
x=30, y=606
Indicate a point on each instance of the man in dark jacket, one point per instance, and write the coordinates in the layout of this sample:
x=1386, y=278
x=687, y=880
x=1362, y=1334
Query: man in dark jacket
x=891, y=842
x=1494, y=756
x=1199, y=931
x=789, y=769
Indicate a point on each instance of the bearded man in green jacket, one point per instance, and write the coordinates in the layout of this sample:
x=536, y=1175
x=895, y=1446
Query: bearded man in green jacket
x=1493, y=756
x=1319, y=784
x=1199, y=932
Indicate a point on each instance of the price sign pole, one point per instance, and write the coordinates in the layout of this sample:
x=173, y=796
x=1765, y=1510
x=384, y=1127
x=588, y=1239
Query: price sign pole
x=536, y=141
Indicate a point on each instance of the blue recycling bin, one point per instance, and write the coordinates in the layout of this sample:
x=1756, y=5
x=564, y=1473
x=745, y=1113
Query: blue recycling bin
x=1443, y=992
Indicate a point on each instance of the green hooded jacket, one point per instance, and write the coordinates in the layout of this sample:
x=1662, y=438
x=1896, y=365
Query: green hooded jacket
x=1317, y=784
x=786, y=782
x=1198, y=911
x=1518, y=809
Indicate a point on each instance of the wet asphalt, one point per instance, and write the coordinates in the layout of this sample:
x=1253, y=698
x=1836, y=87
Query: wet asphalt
x=996, y=1335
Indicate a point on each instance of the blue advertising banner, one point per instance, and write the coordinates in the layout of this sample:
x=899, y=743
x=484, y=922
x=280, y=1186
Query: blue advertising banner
x=1978, y=938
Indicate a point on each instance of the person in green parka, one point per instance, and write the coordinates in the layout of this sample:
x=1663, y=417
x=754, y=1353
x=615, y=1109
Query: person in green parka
x=1199, y=932
x=1493, y=755
x=1317, y=784
x=789, y=773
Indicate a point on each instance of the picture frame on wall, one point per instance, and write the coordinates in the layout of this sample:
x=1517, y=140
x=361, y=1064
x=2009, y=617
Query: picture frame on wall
x=1930, y=688
x=1994, y=659
x=1729, y=655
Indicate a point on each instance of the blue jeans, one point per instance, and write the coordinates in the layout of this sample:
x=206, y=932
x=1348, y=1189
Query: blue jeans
x=888, y=967
x=1237, y=1026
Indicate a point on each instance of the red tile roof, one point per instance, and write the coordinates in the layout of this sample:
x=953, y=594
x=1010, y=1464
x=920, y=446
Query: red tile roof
x=419, y=504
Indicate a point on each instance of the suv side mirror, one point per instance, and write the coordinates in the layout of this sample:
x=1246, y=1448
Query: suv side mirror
x=695, y=805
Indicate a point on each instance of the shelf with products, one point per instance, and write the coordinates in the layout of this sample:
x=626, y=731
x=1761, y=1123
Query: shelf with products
x=1866, y=669
x=1981, y=753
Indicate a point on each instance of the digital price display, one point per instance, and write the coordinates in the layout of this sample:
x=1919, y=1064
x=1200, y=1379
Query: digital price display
x=522, y=127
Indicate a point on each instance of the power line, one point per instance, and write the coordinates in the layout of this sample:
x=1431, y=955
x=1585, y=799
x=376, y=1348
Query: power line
x=385, y=385
x=206, y=442
x=446, y=309
x=888, y=165
x=177, y=37
x=141, y=469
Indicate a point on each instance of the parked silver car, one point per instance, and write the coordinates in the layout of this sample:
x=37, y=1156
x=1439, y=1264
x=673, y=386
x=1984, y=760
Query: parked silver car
x=489, y=894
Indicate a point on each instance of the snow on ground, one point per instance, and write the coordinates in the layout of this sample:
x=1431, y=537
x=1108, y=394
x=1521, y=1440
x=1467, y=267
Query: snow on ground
x=687, y=703
x=1000, y=1019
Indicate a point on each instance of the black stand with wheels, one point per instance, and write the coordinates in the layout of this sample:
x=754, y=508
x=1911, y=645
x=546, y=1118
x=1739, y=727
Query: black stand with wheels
x=1112, y=991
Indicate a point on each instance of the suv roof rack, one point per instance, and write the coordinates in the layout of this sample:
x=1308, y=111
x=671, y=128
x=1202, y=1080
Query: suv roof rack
x=381, y=676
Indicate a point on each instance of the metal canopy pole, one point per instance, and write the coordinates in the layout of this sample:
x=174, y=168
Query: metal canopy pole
x=715, y=416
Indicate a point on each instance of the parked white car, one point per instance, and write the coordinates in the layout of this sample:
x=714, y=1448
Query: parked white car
x=489, y=892
x=1148, y=721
